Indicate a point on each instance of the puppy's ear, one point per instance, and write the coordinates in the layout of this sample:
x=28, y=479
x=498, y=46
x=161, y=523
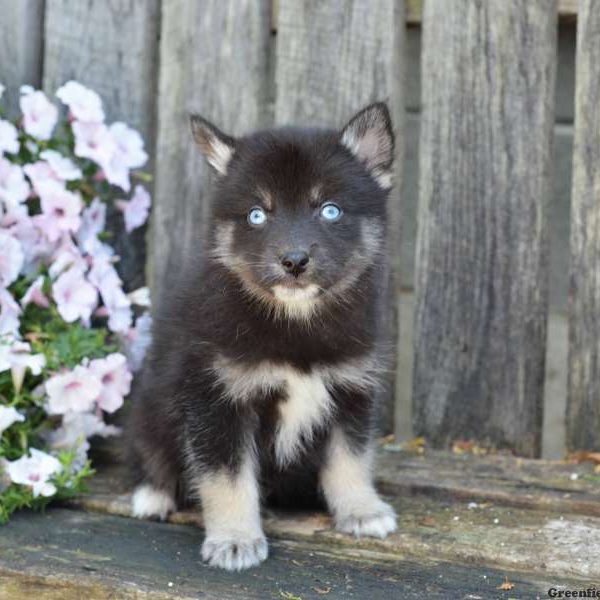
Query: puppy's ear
x=216, y=146
x=369, y=136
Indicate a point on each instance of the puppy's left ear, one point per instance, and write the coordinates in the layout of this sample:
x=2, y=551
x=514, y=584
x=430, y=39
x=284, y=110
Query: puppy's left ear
x=216, y=146
x=369, y=136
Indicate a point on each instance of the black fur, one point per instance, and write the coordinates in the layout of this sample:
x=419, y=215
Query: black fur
x=217, y=310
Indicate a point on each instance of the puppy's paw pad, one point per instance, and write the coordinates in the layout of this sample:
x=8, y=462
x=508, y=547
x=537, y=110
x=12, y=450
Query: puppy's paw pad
x=150, y=502
x=376, y=523
x=236, y=553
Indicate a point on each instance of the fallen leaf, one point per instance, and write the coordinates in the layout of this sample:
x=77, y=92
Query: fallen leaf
x=322, y=591
x=584, y=456
x=427, y=522
x=506, y=586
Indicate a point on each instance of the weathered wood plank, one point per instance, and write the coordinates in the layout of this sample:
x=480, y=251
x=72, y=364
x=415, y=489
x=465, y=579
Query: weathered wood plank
x=108, y=557
x=583, y=404
x=111, y=47
x=214, y=61
x=495, y=511
x=486, y=137
x=567, y=9
x=333, y=58
x=21, y=28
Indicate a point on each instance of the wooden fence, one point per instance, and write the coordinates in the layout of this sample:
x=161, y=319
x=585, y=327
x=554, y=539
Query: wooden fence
x=488, y=73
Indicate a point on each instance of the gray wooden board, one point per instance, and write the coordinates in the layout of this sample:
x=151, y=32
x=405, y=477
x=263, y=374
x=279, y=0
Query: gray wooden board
x=111, y=47
x=482, y=260
x=332, y=59
x=583, y=408
x=21, y=31
x=69, y=554
x=214, y=61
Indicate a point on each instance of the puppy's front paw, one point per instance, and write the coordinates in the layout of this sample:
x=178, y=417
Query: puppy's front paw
x=373, y=521
x=234, y=553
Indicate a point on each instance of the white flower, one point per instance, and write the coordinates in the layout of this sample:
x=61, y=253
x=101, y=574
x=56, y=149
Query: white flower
x=85, y=104
x=39, y=114
x=64, y=168
x=116, y=380
x=11, y=258
x=75, y=297
x=136, y=210
x=75, y=390
x=35, y=471
x=77, y=428
x=10, y=312
x=140, y=297
x=2, y=88
x=17, y=357
x=8, y=416
x=14, y=188
x=9, y=138
x=66, y=255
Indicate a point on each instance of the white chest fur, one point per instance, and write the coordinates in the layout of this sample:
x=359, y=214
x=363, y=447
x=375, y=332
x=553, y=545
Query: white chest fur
x=306, y=402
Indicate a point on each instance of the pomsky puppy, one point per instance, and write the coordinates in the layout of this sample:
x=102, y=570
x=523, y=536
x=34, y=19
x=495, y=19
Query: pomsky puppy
x=260, y=379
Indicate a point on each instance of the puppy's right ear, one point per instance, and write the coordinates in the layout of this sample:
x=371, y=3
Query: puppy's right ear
x=217, y=147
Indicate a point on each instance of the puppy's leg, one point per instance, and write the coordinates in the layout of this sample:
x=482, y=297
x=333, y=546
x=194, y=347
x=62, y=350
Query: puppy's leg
x=231, y=509
x=222, y=471
x=347, y=483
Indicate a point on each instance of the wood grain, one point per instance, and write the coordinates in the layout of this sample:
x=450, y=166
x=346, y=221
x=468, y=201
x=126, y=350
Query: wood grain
x=583, y=403
x=333, y=58
x=215, y=62
x=21, y=30
x=482, y=257
x=112, y=47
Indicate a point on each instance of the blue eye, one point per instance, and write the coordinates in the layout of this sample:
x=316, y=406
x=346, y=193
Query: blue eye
x=330, y=211
x=257, y=216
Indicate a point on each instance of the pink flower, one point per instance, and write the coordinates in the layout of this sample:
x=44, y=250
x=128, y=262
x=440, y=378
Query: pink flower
x=36, y=247
x=62, y=167
x=14, y=189
x=118, y=307
x=9, y=138
x=85, y=105
x=93, y=141
x=75, y=390
x=67, y=255
x=11, y=258
x=75, y=297
x=136, y=341
x=76, y=428
x=136, y=210
x=35, y=294
x=39, y=114
x=60, y=210
x=129, y=146
x=10, y=312
x=93, y=221
x=116, y=380
x=35, y=471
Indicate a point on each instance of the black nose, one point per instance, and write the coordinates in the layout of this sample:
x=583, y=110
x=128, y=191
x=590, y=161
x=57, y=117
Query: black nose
x=295, y=262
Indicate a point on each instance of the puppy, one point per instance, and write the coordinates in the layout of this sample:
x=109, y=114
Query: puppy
x=260, y=379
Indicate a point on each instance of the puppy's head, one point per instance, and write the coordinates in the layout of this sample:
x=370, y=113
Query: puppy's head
x=299, y=214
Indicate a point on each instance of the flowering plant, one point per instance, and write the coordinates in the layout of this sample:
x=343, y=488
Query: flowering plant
x=70, y=336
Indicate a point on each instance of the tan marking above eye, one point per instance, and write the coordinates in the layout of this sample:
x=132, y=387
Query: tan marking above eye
x=266, y=197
